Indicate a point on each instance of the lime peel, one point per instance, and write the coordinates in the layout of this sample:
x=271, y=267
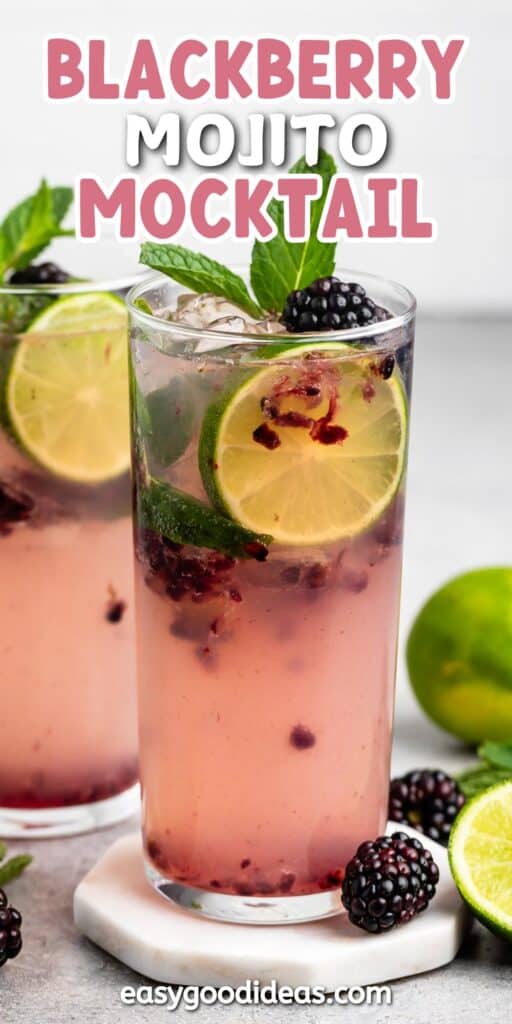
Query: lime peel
x=480, y=856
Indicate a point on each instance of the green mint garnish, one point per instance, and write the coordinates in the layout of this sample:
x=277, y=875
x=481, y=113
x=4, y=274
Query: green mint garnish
x=475, y=780
x=499, y=755
x=13, y=867
x=279, y=266
x=199, y=273
x=31, y=225
x=18, y=311
x=495, y=766
x=186, y=520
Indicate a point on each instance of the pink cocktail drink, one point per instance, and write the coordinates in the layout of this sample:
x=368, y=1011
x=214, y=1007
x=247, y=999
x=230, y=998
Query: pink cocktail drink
x=266, y=671
x=68, y=753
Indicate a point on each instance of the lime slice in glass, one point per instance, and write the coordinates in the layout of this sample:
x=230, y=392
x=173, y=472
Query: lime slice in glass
x=304, y=491
x=480, y=853
x=66, y=398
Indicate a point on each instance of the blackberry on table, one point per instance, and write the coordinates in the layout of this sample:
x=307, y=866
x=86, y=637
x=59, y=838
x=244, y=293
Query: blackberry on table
x=40, y=273
x=10, y=930
x=388, y=882
x=428, y=800
x=329, y=304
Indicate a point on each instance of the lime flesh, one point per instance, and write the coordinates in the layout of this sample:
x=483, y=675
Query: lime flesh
x=303, y=491
x=480, y=853
x=66, y=397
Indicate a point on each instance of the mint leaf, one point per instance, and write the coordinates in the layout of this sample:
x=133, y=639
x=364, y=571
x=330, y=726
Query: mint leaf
x=143, y=306
x=199, y=273
x=475, y=780
x=186, y=520
x=172, y=417
x=31, y=225
x=279, y=266
x=18, y=311
x=3, y=850
x=499, y=755
x=62, y=197
x=13, y=868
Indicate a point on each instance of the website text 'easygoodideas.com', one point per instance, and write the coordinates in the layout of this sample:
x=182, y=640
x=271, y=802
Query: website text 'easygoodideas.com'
x=254, y=993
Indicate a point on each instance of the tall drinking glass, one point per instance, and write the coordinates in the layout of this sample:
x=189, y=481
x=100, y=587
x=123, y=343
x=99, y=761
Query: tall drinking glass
x=269, y=492
x=68, y=754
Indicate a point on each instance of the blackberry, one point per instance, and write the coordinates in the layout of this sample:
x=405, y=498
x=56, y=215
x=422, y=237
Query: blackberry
x=330, y=305
x=427, y=800
x=115, y=611
x=40, y=273
x=302, y=737
x=15, y=507
x=388, y=882
x=10, y=930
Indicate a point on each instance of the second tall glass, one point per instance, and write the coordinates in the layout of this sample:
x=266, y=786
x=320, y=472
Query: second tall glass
x=68, y=753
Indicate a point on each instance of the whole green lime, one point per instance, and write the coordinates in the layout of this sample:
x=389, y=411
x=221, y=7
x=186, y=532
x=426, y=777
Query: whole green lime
x=459, y=655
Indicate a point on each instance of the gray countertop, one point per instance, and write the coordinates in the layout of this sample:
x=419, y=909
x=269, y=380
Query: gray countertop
x=460, y=491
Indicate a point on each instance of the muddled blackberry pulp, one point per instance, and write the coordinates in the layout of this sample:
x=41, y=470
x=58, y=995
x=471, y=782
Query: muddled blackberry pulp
x=266, y=678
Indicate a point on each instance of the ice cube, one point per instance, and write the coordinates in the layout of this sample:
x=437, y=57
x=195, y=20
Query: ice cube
x=186, y=300
x=200, y=311
x=268, y=326
x=237, y=324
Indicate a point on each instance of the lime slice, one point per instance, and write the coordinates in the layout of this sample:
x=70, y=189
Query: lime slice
x=480, y=853
x=304, y=491
x=66, y=397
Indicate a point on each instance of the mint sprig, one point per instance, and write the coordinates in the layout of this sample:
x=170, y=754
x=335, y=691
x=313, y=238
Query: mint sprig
x=475, y=780
x=13, y=867
x=499, y=755
x=199, y=273
x=495, y=766
x=31, y=225
x=279, y=266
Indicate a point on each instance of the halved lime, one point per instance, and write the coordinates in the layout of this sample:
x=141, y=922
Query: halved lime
x=66, y=397
x=480, y=853
x=303, y=491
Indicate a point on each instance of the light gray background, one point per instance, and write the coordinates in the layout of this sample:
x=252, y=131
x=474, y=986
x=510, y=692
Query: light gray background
x=459, y=484
x=462, y=149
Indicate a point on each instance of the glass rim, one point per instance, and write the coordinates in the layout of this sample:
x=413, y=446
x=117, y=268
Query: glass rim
x=383, y=327
x=80, y=287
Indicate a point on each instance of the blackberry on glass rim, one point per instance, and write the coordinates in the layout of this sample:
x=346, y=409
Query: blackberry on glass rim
x=40, y=273
x=329, y=304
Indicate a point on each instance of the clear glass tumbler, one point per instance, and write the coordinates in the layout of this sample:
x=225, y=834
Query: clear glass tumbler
x=269, y=479
x=68, y=737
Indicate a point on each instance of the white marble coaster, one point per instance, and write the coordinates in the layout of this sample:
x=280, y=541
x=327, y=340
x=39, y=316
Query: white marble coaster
x=115, y=907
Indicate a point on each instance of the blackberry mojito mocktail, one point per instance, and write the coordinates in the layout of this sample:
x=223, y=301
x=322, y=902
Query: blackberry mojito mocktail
x=269, y=472
x=68, y=730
